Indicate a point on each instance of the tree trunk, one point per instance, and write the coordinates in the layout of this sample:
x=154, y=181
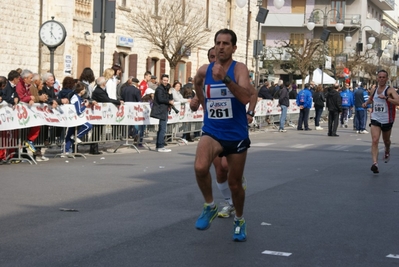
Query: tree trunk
x=172, y=74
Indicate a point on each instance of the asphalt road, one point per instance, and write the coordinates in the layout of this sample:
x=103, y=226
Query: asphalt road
x=311, y=200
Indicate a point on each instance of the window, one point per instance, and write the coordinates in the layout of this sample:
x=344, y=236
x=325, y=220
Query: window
x=339, y=8
x=336, y=43
x=297, y=39
x=298, y=6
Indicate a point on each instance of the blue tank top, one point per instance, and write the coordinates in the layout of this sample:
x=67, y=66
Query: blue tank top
x=225, y=117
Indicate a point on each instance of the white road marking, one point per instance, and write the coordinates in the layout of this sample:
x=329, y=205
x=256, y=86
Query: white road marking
x=381, y=149
x=301, y=145
x=262, y=144
x=339, y=147
x=394, y=256
x=276, y=253
x=264, y=223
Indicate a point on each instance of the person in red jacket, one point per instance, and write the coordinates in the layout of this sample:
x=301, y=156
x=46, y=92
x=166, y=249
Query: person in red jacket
x=25, y=96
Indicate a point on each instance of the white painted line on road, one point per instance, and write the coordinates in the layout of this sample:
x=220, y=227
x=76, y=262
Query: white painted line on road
x=338, y=147
x=302, y=145
x=394, y=256
x=277, y=253
x=264, y=223
x=262, y=144
x=381, y=149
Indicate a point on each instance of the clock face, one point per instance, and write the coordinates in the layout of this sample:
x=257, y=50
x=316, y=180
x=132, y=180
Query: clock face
x=52, y=33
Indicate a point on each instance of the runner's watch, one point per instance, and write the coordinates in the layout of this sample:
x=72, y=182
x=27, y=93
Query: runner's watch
x=251, y=113
x=227, y=79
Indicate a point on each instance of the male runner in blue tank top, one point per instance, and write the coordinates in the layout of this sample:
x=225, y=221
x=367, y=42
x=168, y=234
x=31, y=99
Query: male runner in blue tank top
x=223, y=89
x=384, y=99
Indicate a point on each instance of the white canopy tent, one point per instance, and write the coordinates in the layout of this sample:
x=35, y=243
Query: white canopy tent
x=327, y=79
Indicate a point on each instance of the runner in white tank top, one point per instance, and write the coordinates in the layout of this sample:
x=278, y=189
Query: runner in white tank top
x=384, y=99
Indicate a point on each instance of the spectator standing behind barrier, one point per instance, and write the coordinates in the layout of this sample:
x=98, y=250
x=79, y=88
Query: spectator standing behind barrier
x=3, y=134
x=178, y=97
x=152, y=83
x=304, y=102
x=131, y=93
x=188, y=89
x=25, y=96
x=100, y=95
x=9, y=92
x=110, y=85
x=360, y=96
x=40, y=96
x=67, y=88
x=122, y=86
x=3, y=83
x=347, y=103
x=87, y=78
x=160, y=111
x=144, y=83
x=318, y=100
x=293, y=91
x=11, y=97
x=264, y=91
x=80, y=106
x=334, y=106
x=284, y=103
x=117, y=73
x=48, y=89
x=148, y=96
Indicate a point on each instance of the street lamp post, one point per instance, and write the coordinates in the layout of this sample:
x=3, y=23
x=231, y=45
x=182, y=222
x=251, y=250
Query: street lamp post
x=261, y=17
x=338, y=26
x=359, y=44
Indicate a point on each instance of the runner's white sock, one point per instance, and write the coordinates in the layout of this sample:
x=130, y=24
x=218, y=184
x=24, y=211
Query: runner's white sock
x=225, y=190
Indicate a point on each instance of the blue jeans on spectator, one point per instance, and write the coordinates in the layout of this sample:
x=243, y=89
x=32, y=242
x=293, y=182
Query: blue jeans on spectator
x=303, y=118
x=283, y=116
x=360, y=120
x=319, y=111
x=161, y=133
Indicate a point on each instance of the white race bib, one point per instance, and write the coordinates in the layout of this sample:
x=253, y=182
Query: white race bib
x=380, y=108
x=219, y=109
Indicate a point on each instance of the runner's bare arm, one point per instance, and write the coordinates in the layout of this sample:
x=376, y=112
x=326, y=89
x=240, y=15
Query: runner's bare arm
x=243, y=90
x=393, y=96
x=199, y=80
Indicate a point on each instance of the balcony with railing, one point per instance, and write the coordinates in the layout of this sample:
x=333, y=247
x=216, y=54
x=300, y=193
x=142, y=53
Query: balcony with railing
x=384, y=4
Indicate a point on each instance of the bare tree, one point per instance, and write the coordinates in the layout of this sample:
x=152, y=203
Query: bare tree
x=300, y=58
x=174, y=30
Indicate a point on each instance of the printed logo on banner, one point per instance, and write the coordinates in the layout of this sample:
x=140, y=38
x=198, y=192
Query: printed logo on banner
x=6, y=117
x=22, y=114
x=120, y=115
x=138, y=113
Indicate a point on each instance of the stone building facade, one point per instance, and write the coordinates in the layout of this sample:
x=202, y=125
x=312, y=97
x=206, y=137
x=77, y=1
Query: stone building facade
x=21, y=46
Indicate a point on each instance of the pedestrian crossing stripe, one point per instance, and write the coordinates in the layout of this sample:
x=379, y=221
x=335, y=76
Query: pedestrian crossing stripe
x=339, y=147
x=301, y=145
x=262, y=144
